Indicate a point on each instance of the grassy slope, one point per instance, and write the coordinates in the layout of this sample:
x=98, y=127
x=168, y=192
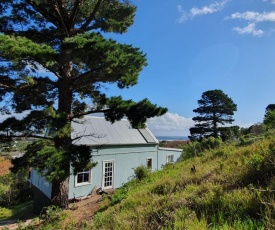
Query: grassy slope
x=232, y=188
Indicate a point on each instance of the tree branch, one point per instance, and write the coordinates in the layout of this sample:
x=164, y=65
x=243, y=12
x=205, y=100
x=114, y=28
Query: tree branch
x=74, y=12
x=87, y=135
x=58, y=9
x=88, y=112
x=29, y=136
x=46, y=68
x=87, y=74
x=45, y=13
x=91, y=17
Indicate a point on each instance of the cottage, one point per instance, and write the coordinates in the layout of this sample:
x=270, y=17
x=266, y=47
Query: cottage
x=117, y=148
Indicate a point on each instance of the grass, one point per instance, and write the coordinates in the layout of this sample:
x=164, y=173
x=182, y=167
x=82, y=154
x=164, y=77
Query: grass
x=19, y=211
x=233, y=188
x=229, y=190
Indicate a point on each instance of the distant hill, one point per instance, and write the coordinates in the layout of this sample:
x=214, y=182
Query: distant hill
x=173, y=144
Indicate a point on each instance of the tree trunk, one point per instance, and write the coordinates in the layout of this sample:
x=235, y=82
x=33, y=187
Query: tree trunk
x=60, y=192
x=60, y=189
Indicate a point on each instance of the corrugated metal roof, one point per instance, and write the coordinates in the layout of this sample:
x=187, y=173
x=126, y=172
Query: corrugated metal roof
x=92, y=130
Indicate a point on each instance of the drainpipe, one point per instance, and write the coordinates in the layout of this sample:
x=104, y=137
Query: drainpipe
x=157, y=157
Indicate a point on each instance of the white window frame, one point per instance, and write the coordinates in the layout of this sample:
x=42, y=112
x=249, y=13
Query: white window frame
x=150, y=158
x=85, y=182
x=169, y=156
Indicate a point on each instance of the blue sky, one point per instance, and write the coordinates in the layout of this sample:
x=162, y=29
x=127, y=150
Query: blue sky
x=195, y=46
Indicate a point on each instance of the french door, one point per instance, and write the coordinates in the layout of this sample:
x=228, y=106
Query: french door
x=108, y=174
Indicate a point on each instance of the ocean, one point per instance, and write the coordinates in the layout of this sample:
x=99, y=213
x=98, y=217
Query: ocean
x=172, y=138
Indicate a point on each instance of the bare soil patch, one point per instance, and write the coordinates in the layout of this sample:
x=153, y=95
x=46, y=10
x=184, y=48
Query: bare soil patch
x=78, y=212
x=5, y=165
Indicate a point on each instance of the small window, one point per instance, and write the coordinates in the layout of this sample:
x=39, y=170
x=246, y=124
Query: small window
x=170, y=158
x=149, y=163
x=83, y=177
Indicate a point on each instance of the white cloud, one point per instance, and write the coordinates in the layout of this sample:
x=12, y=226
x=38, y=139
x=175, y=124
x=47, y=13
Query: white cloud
x=170, y=124
x=271, y=1
x=254, y=19
x=196, y=11
x=250, y=29
x=255, y=16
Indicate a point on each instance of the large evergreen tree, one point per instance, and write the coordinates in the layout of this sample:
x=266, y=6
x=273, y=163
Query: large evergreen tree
x=215, y=110
x=55, y=63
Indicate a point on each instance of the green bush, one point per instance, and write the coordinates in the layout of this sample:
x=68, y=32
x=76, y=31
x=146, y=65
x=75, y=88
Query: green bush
x=256, y=162
x=163, y=187
x=211, y=143
x=196, y=148
x=15, y=188
x=141, y=172
x=192, y=149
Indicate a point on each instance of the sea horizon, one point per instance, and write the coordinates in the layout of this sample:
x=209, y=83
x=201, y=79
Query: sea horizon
x=172, y=138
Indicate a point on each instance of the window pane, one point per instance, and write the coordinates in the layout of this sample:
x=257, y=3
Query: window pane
x=79, y=178
x=149, y=163
x=170, y=158
x=83, y=176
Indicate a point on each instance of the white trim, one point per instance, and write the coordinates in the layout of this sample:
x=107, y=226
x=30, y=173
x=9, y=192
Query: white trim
x=113, y=173
x=170, y=155
x=83, y=183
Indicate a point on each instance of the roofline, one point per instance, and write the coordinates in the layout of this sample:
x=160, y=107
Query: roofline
x=170, y=149
x=148, y=143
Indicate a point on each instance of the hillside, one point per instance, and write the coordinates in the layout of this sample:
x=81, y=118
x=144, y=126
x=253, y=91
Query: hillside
x=233, y=187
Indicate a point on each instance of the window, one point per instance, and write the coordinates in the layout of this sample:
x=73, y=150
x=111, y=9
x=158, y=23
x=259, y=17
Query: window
x=149, y=163
x=170, y=158
x=83, y=177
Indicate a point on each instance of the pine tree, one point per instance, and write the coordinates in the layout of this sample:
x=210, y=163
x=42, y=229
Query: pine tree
x=215, y=108
x=54, y=59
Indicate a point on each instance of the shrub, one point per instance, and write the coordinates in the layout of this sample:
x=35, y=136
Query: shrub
x=52, y=217
x=211, y=143
x=163, y=187
x=15, y=188
x=192, y=149
x=141, y=172
x=256, y=162
x=196, y=148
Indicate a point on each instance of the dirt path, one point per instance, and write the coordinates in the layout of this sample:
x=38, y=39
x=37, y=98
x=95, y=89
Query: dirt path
x=80, y=211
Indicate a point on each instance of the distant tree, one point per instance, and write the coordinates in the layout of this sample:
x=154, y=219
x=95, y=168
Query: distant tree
x=215, y=109
x=269, y=119
x=270, y=107
x=230, y=133
x=55, y=64
x=254, y=130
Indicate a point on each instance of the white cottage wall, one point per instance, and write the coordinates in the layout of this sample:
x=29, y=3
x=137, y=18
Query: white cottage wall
x=124, y=158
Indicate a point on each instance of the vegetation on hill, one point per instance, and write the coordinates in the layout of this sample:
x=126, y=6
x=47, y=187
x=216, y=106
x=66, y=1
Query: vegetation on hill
x=232, y=187
x=217, y=186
